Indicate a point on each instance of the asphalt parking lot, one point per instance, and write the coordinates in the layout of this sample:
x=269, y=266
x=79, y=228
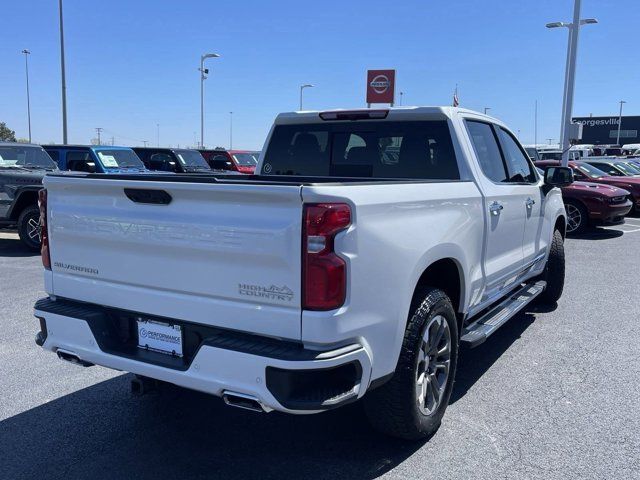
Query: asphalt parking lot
x=554, y=394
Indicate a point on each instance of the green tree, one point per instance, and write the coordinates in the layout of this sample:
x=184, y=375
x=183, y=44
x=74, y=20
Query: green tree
x=6, y=134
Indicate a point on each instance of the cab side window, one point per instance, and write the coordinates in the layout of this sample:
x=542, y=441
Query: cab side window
x=486, y=147
x=518, y=165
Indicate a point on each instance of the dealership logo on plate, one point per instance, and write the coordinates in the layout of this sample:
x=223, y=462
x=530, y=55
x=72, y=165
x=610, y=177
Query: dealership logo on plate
x=380, y=84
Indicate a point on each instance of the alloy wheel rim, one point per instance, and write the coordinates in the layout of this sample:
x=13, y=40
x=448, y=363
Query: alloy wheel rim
x=434, y=360
x=574, y=217
x=33, y=229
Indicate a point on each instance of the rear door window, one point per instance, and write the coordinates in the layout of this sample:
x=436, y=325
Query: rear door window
x=411, y=150
x=518, y=166
x=486, y=147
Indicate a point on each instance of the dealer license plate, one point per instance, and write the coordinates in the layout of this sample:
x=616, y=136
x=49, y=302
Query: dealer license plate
x=160, y=337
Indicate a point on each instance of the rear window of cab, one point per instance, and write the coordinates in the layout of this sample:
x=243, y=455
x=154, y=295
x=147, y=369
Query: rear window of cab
x=409, y=150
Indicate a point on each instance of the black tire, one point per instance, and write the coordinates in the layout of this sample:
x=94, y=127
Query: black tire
x=29, y=227
x=394, y=408
x=554, y=271
x=577, y=217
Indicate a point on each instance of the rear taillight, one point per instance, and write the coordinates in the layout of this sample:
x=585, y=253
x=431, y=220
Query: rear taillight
x=324, y=273
x=44, y=234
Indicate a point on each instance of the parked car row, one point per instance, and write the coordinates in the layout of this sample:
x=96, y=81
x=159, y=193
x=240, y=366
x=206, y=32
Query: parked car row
x=110, y=159
x=23, y=166
x=596, y=197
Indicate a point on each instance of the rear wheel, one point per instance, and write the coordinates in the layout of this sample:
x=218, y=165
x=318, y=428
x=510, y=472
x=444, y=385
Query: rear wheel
x=554, y=271
x=411, y=405
x=577, y=217
x=29, y=227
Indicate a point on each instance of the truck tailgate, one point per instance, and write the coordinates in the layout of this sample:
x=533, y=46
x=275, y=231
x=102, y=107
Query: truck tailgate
x=217, y=254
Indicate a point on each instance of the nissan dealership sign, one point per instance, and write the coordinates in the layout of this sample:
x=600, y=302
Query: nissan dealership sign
x=381, y=86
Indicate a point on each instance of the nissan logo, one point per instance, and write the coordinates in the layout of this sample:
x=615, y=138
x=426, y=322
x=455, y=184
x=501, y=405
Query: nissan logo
x=380, y=84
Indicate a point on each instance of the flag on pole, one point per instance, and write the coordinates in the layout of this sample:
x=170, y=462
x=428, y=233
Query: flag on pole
x=456, y=102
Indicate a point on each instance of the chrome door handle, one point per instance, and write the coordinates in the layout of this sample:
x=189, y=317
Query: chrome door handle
x=495, y=208
x=530, y=202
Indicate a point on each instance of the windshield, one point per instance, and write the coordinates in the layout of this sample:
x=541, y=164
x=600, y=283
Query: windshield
x=590, y=171
x=34, y=157
x=626, y=168
x=191, y=158
x=552, y=155
x=245, y=159
x=119, y=159
x=533, y=153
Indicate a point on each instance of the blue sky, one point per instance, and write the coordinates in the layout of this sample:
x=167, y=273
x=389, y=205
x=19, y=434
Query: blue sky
x=133, y=64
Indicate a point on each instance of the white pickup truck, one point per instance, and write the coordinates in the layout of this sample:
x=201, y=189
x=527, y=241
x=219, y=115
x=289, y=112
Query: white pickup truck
x=370, y=246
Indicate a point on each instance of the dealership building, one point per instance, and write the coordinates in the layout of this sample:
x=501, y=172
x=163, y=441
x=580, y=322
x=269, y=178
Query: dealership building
x=604, y=130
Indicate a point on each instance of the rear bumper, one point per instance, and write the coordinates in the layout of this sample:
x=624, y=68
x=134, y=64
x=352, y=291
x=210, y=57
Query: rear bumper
x=282, y=375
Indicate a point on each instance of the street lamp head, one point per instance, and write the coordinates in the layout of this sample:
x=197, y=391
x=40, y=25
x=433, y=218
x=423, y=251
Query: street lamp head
x=557, y=24
x=588, y=21
x=26, y=52
x=307, y=85
x=623, y=101
x=210, y=55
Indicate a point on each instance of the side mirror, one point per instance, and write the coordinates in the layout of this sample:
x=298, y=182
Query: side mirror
x=558, y=177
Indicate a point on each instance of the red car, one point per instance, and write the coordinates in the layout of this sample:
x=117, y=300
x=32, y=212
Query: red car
x=243, y=161
x=589, y=204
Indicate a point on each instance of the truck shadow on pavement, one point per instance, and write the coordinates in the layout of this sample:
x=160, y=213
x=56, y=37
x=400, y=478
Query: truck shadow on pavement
x=11, y=246
x=103, y=432
x=598, y=234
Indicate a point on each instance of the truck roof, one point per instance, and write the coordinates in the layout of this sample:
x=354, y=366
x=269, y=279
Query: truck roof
x=390, y=113
x=18, y=144
x=79, y=147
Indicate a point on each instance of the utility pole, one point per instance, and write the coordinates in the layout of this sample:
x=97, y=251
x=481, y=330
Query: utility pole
x=401, y=94
x=26, y=68
x=203, y=77
x=98, y=130
x=486, y=109
x=570, y=73
x=64, y=81
x=302, y=87
x=622, y=102
x=146, y=141
x=113, y=139
x=535, y=124
x=230, y=130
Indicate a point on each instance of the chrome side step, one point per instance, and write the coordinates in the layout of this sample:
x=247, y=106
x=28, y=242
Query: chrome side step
x=477, y=332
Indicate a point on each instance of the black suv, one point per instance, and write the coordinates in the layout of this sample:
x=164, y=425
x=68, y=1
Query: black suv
x=22, y=167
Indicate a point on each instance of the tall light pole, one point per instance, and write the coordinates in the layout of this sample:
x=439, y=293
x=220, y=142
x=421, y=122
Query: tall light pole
x=230, y=130
x=570, y=73
x=203, y=77
x=302, y=87
x=98, y=131
x=64, y=80
x=535, y=124
x=26, y=69
x=401, y=94
x=622, y=102
x=486, y=109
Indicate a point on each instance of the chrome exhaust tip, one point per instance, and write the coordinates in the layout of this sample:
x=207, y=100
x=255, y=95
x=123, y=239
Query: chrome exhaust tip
x=241, y=400
x=71, y=357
